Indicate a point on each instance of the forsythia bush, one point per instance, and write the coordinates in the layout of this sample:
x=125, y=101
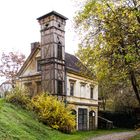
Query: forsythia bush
x=53, y=112
x=19, y=96
x=50, y=111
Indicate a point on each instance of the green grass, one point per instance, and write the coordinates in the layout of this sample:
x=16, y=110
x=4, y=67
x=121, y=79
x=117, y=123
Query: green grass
x=19, y=124
x=137, y=137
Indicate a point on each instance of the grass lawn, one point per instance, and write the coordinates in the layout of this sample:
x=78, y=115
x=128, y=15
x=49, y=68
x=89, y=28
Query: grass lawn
x=137, y=137
x=19, y=124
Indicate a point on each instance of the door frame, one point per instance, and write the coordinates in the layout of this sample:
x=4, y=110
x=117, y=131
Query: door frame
x=92, y=120
x=82, y=119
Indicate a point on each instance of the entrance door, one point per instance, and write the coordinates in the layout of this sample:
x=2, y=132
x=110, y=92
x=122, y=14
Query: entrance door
x=91, y=120
x=82, y=119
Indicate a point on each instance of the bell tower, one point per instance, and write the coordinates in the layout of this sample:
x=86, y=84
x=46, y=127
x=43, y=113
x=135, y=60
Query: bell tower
x=53, y=52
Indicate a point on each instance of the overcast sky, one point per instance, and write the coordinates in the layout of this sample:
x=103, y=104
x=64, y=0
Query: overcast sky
x=19, y=27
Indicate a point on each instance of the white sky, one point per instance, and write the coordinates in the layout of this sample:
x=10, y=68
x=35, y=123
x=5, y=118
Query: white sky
x=19, y=27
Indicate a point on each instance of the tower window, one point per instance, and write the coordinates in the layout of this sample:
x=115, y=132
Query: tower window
x=46, y=25
x=59, y=25
x=59, y=51
x=59, y=87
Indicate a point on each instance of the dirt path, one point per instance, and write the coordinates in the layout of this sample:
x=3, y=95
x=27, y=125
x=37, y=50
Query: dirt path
x=116, y=136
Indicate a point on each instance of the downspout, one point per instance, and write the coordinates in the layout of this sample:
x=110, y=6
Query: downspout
x=65, y=99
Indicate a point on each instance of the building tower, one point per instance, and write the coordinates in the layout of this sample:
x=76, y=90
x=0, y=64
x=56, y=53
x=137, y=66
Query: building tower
x=53, y=53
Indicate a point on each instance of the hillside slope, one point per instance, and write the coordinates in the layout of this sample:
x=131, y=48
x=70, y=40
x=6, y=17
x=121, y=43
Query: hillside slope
x=19, y=124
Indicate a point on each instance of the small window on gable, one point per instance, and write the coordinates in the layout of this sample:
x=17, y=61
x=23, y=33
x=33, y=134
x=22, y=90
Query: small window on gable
x=38, y=66
x=59, y=87
x=59, y=51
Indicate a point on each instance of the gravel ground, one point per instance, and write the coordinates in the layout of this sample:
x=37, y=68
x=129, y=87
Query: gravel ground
x=117, y=136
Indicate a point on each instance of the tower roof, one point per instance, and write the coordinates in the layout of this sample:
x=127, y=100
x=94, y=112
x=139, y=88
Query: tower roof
x=52, y=13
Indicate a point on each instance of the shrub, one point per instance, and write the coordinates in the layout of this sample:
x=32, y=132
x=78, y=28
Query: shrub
x=137, y=126
x=19, y=96
x=50, y=111
x=53, y=112
x=120, y=119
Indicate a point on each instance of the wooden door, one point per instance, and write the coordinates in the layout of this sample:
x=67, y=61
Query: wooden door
x=91, y=120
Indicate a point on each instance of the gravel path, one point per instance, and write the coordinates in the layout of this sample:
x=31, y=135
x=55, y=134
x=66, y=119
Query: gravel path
x=116, y=136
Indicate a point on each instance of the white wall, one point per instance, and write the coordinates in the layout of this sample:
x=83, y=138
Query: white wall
x=78, y=91
x=31, y=67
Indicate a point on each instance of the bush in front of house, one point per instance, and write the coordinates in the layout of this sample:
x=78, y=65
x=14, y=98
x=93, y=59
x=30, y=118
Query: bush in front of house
x=19, y=96
x=49, y=109
x=53, y=112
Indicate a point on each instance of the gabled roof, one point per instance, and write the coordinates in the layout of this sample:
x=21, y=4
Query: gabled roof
x=73, y=64
x=28, y=59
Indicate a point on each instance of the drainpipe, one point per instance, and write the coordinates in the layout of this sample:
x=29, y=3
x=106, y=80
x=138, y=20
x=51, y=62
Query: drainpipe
x=65, y=99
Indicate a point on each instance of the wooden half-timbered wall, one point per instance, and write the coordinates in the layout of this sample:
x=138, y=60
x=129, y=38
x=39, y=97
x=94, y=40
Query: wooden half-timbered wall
x=53, y=54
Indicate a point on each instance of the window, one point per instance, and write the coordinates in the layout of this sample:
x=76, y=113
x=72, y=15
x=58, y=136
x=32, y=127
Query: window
x=71, y=89
x=91, y=92
x=30, y=88
x=73, y=112
x=92, y=115
x=59, y=51
x=59, y=25
x=46, y=25
x=82, y=119
x=59, y=87
x=39, y=88
x=83, y=89
x=72, y=86
x=38, y=66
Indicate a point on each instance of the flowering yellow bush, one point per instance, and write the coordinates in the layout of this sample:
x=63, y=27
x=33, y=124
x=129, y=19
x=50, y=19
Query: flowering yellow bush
x=53, y=112
x=50, y=111
x=19, y=96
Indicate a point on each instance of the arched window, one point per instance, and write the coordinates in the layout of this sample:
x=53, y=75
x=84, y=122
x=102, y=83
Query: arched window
x=92, y=115
x=73, y=112
x=59, y=51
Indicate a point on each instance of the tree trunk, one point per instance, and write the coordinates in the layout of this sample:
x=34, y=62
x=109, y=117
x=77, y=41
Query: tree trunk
x=104, y=103
x=13, y=83
x=135, y=85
